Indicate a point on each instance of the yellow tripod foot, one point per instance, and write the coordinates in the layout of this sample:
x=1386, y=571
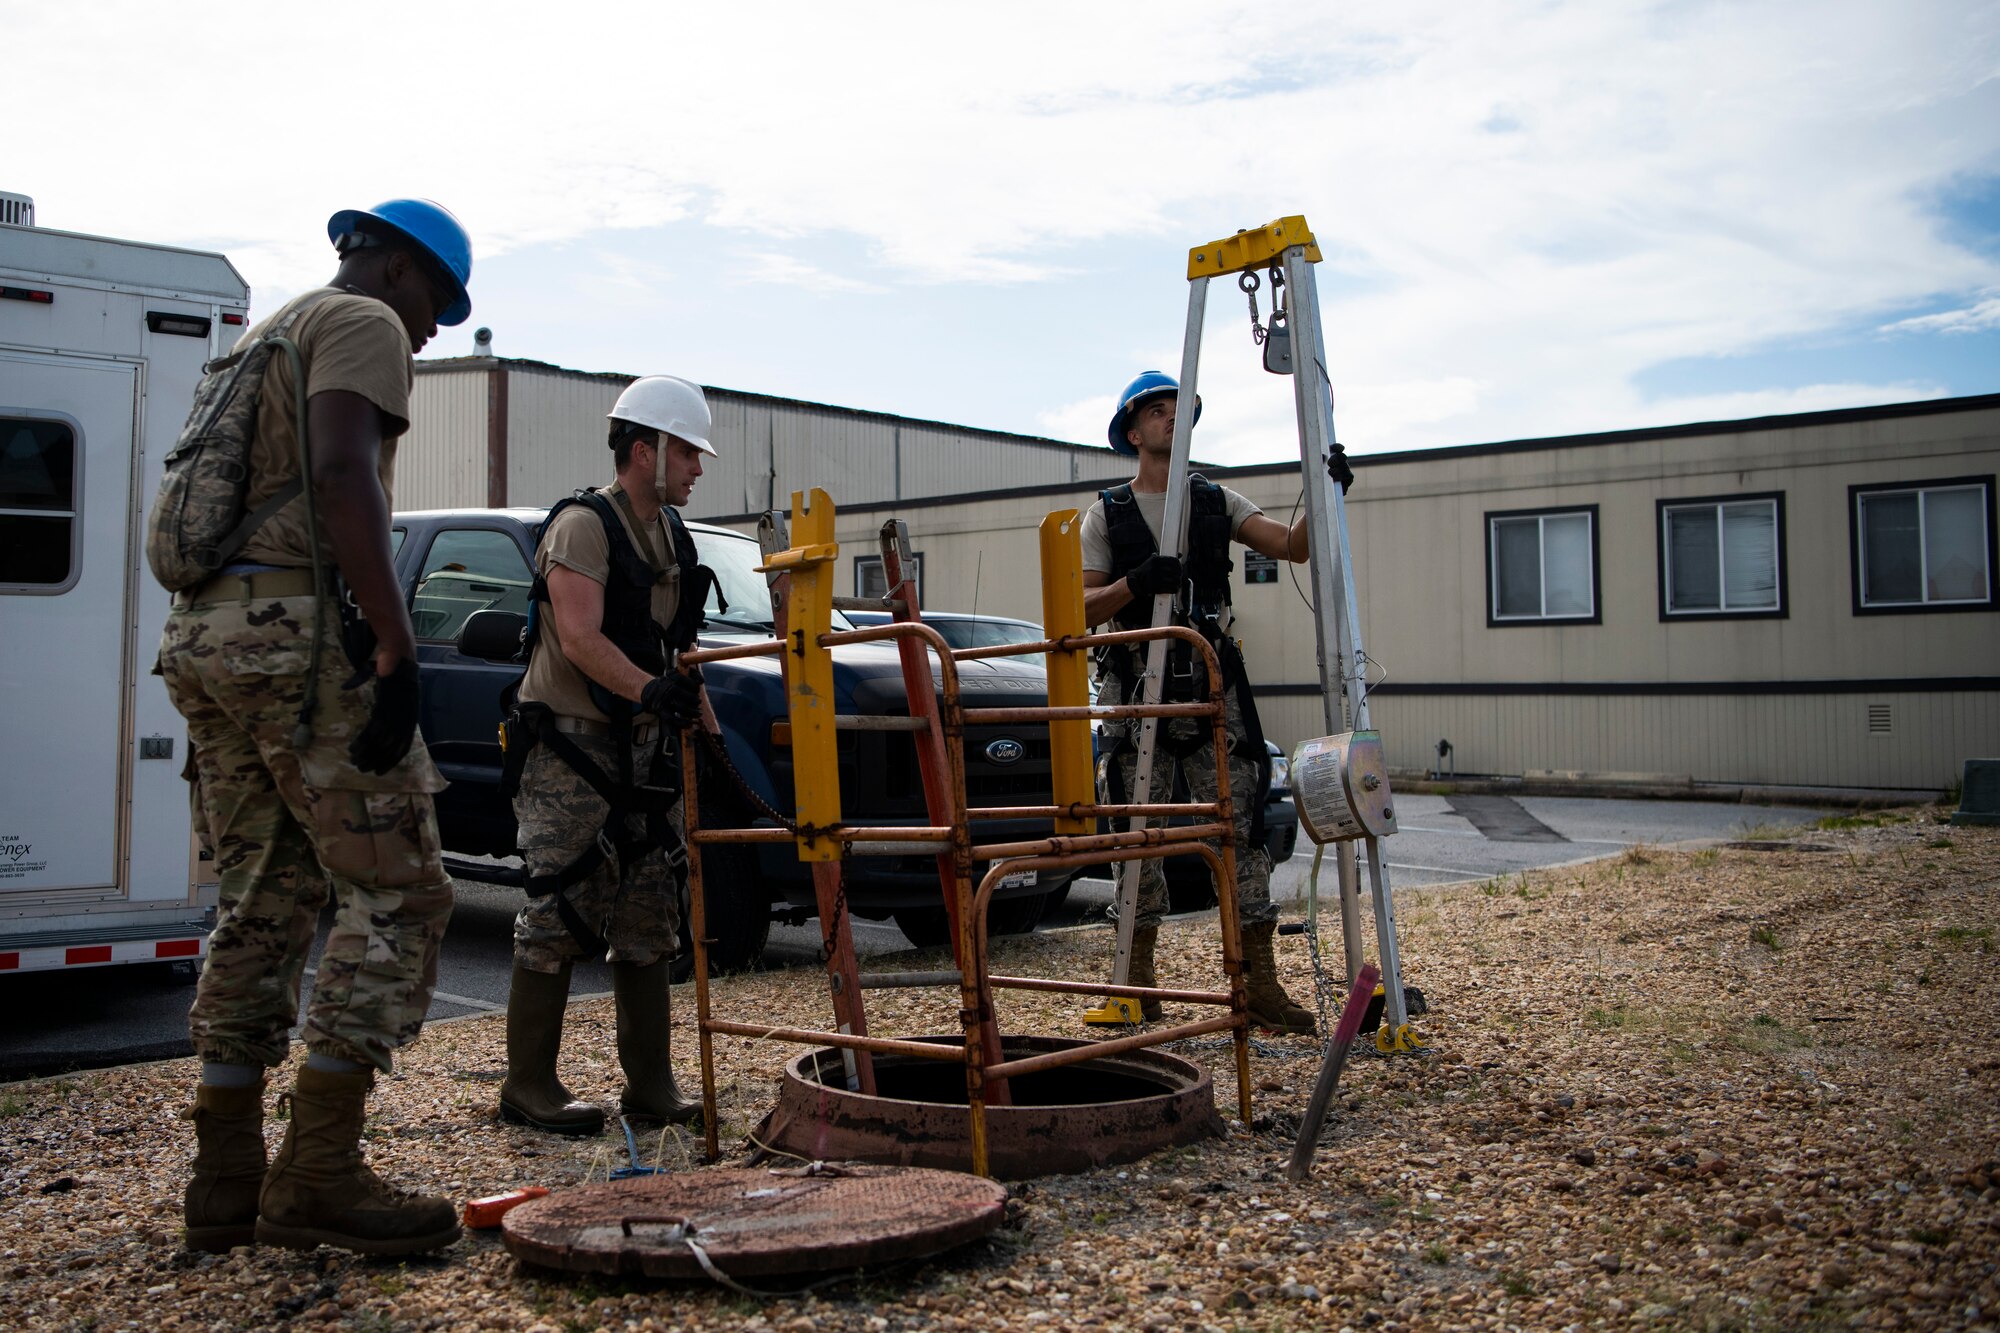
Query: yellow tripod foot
x=1118, y=1011
x=1390, y=1040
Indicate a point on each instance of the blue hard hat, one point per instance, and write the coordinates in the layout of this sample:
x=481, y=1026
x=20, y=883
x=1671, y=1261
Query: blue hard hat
x=432, y=227
x=1148, y=385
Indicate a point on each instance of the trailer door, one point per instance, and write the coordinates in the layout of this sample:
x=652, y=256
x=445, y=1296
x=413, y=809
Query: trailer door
x=67, y=449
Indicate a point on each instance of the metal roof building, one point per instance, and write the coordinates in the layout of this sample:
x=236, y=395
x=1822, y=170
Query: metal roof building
x=500, y=430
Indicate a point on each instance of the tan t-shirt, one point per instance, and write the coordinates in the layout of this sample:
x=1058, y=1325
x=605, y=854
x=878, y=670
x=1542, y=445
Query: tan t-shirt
x=1152, y=508
x=348, y=342
x=575, y=540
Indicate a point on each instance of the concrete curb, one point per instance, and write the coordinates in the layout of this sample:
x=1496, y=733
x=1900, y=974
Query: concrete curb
x=1418, y=783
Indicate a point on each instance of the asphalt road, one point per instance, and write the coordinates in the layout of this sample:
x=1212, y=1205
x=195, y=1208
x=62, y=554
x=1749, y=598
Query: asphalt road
x=90, y=1018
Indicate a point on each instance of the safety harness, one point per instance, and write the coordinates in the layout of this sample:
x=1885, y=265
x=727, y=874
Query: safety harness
x=1207, y=566
x=630, y=626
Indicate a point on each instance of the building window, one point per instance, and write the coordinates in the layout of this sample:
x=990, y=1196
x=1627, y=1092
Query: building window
x=1722, y=556
x=1923, y=547
x=1541, y=567
x=38, y=516
x=870, y=581
x=468, y=570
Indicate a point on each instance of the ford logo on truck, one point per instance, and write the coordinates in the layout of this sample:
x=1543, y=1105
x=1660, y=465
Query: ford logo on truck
x=1006, y=750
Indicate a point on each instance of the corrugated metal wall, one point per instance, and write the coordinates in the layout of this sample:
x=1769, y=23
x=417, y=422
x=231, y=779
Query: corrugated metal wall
x=441, y=463
x=767, y=447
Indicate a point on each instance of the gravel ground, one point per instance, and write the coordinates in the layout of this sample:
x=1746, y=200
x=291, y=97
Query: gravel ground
x=1740, y=1087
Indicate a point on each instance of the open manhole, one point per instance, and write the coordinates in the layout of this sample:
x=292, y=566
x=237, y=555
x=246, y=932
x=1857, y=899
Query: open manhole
x=746, y=1222
x=1775, y=845
x=1115, y=1108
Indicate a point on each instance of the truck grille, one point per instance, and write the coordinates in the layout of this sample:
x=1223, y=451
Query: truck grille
x=881, y=772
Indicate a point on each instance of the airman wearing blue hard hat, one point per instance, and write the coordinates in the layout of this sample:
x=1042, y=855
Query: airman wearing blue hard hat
x=312, y=779
x=1124, y=570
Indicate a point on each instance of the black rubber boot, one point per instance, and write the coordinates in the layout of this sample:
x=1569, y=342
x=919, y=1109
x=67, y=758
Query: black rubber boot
x=533, y=1093
x=645, y=1044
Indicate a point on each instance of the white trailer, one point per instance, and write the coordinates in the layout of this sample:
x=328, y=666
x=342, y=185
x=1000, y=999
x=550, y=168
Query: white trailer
x=101, y=346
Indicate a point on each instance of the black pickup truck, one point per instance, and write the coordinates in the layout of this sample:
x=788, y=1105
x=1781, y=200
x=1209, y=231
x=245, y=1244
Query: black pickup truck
x=459, y=564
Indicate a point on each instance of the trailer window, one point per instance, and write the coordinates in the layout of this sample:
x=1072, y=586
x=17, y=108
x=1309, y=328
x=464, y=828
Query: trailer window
x=37, y=504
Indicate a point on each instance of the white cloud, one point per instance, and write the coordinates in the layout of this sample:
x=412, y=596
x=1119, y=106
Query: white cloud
x=1975, y=318
x=767, y=266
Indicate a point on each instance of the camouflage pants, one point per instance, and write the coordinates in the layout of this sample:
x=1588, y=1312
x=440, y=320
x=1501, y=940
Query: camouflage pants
x=291, y=828
x=636, y=912
x=1253, y=863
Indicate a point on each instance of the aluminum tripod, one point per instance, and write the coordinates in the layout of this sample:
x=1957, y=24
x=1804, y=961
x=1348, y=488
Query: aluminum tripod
x=1286, y=247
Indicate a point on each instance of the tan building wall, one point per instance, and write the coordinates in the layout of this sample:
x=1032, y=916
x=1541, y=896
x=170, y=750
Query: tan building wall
x=1819, y=696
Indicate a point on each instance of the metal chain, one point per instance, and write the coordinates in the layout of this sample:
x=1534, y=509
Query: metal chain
x=1324, y=998
x=832, y=934
x=743, y=787
x=1248, y=284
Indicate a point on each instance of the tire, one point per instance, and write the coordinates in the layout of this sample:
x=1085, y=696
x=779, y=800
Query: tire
x=738, y=909
x=929, y=927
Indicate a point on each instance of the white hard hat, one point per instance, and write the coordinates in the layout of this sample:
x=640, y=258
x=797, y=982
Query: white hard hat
x=666, y=404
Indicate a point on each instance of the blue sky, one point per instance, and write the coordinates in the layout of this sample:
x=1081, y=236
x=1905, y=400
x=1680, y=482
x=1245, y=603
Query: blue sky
x=1539, y=218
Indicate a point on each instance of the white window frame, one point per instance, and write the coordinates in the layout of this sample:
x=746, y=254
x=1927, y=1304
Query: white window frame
x=1858, y=496
x=74, y=514
x=1594, y=616
x=863, y=564
x=1718, y=503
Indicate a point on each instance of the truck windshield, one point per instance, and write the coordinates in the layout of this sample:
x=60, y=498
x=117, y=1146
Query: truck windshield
x=735, y=559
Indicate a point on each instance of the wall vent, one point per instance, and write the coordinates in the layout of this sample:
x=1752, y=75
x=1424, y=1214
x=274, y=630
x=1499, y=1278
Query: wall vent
x=17, y=210
x=1879, y=720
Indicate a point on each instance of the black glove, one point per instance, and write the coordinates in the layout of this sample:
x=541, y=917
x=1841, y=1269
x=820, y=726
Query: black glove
x=392, y=722
x=674, y=698
x=1154, y=575
x=1337, y=468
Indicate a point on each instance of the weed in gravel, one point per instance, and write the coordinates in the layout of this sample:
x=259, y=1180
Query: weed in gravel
x=1436, y=1253
x=1707, y=856
x=1749, y=832
x=1941, y=844
x=1640, y=854
x=1765, y=1035
x=1491, y=888
x=1979, y=935
x=1870, y=819
x=1765, y=935
x=9, y=1108
x=1516, y=1285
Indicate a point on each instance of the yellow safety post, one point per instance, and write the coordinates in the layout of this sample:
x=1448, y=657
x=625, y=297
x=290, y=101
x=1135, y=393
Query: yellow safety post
x=1070, y=765
x=809, y=672
x=1257, y=248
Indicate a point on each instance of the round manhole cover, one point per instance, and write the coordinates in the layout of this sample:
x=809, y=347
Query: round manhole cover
x=754, y=1221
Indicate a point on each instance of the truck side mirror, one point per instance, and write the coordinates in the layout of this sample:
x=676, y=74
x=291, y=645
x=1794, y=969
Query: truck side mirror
x=493, y=635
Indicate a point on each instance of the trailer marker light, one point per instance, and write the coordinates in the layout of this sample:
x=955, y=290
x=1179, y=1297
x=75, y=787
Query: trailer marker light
x=187, y=326
x=9, y=961
x=781, y=733
x=231, y=317
x=177, y=948
x=95, y=953
x=27, y=294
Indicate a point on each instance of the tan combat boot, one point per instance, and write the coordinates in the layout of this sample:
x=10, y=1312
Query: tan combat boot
x=533, y=1093
x=642, y=998
x=1270, y=1007
x=1141, y=973
x=320, y=1192
x=220, y=1207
